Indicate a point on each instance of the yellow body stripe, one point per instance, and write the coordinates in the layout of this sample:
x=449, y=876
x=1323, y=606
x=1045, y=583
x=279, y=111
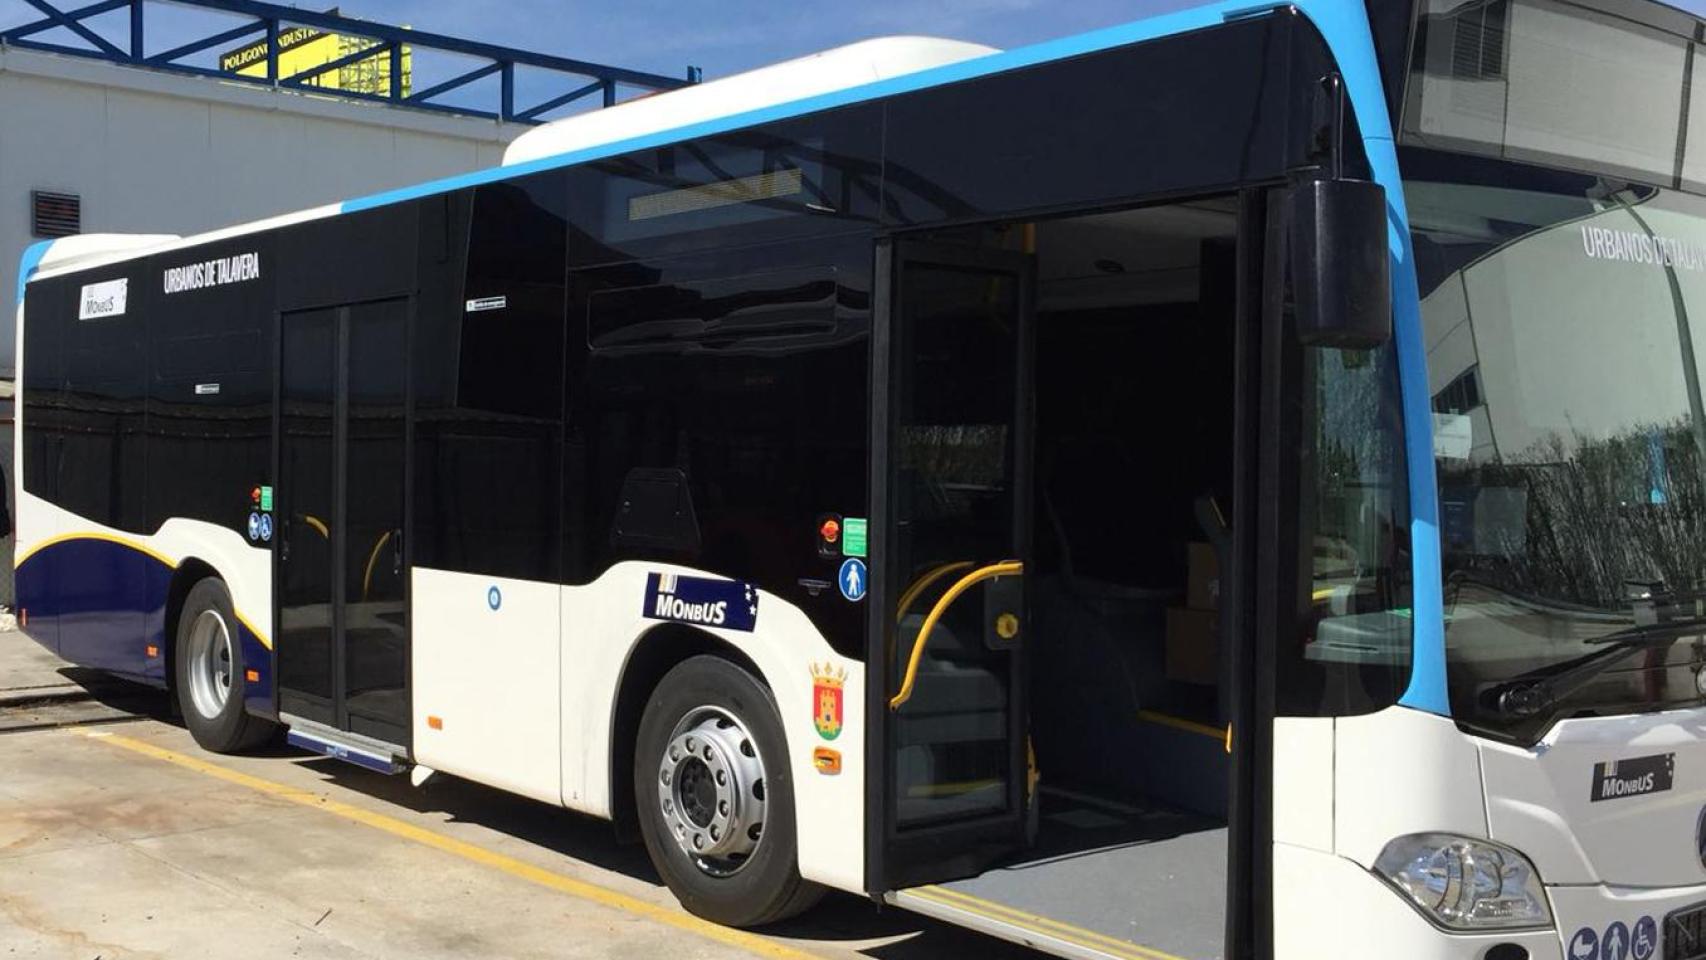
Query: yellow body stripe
x=752, y=943
x=36, y=548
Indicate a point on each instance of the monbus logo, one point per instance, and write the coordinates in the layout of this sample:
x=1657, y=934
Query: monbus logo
x=702, y=601
x=1633, y=777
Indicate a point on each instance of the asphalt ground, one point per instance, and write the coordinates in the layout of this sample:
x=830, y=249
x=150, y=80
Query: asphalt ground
x=119, y=838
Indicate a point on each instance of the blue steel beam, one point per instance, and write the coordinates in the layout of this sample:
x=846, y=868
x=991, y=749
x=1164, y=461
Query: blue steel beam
x=61, y=19
x=478, y=73
x=388, y=41
x=48, y=22
x=555, y=102
x=165, y=58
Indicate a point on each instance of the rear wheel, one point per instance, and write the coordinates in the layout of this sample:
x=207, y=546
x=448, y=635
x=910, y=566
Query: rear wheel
x=209, y=672
x=716, y=801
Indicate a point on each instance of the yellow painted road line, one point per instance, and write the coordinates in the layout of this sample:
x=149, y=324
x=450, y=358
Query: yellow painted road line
x=1039, y=924
x=752, y=943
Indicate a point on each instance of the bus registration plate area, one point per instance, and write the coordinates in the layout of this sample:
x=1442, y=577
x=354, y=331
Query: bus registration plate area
x=1685, y=934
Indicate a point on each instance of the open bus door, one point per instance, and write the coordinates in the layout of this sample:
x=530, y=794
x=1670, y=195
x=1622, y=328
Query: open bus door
x=953, y=632
x=947, y=636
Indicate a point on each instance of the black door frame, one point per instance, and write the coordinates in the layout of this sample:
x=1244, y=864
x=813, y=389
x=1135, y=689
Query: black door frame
x=1257, y=497
x=309, y=706
x=976, y=840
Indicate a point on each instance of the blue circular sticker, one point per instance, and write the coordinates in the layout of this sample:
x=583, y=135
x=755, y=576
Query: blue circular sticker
x=1614, y=945
x=254, y=526
x=1584, y=945
x=494, y=597
x=1644, y=941
x=266, y=526
x=852, y=579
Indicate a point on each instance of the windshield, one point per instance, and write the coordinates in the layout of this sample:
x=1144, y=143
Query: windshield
x=1560, y=246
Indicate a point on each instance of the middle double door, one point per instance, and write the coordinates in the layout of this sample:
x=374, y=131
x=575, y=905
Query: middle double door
x=342, y=637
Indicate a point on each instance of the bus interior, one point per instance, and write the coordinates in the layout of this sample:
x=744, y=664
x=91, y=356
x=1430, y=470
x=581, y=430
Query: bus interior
x=1129, y=489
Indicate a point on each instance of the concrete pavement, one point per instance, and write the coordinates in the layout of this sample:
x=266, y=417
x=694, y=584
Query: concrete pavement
x=124, y=840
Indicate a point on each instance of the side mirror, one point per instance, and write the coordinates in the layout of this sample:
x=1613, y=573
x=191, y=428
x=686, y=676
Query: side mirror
x=1340, y=265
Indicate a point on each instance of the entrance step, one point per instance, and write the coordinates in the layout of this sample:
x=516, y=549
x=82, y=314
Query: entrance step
x=375, y=755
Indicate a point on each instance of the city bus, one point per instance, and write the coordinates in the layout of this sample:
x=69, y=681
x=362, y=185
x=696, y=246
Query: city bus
x=1227, y=485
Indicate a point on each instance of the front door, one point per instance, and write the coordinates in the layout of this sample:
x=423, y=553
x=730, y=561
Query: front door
x=342, y=636
x=948, y=612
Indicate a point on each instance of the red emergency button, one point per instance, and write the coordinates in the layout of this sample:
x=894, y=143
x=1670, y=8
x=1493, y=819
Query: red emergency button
x=830, y=531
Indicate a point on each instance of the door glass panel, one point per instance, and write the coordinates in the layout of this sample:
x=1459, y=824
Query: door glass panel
x=375, y=640
x=957, y=350
x=304, y=499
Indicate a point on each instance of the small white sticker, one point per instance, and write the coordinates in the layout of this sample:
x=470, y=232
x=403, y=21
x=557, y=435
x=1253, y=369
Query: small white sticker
x=102, y=300
x=206, y=389
x=480, y=304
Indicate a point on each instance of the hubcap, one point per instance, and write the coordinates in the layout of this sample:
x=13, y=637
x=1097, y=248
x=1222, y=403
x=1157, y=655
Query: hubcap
x=210, y=664
x=711, y=790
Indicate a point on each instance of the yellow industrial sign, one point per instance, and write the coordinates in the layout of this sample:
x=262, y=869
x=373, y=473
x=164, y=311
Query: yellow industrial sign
x=304, y=48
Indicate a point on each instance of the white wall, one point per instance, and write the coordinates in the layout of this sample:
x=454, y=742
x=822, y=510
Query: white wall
x=151, y=152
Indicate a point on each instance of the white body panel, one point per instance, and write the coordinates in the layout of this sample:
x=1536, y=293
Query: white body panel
x=526, y=695
x=490, y=675
x=1303, y=782
x=836, y=69
x=1401, y=771
x=1539, y=801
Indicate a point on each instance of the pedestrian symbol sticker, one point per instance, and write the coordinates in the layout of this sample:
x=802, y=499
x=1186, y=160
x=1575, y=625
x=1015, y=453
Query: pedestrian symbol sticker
x=254, y=526
x=1615, y=944
x=852, y=579
x=1645, y=939
x=1584, y=945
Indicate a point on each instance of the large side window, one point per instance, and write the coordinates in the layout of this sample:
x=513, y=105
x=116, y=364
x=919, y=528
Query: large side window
x=489, y=388
x=100, y=477
x=721, y=415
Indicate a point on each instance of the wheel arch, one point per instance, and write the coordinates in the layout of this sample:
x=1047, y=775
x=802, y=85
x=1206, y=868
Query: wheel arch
x=656, y=652
x=189, y=572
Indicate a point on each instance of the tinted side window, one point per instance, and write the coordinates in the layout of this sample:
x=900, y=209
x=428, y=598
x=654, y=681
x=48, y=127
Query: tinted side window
x=734, y=383
x=488, y=382
x=210, y=394
x=102, y=467
x=42, y=385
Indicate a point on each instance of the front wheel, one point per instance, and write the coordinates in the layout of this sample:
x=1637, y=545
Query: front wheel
x=716, y=801
x=209, y=672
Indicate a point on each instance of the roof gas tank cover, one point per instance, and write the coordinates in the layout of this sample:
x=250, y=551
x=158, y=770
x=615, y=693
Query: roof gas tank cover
x=840, y=68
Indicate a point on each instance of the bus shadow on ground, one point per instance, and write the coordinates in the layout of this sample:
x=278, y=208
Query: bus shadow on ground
x=840, y=919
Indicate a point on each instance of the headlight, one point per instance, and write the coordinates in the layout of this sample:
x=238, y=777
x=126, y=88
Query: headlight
x=1464, y=884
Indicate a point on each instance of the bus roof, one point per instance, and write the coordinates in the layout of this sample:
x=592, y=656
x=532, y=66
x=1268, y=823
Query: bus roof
x=896, y=65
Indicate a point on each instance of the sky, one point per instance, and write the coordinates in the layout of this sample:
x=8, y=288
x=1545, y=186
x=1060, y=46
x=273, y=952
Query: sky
x=666, y=36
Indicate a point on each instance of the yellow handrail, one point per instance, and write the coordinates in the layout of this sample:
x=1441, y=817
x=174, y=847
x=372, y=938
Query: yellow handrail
x=965, y=583
x=923, y=583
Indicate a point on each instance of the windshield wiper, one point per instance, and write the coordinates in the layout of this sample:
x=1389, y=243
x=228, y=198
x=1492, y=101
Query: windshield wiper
x=1529, y=694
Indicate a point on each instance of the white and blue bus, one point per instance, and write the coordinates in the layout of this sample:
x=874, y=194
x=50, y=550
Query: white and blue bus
x=1229, y=485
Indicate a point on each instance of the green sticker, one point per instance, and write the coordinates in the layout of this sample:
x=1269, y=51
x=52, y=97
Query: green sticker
x=853, y=536
x=266, y=498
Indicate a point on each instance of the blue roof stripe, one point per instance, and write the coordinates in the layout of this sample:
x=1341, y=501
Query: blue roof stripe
x=28, y=263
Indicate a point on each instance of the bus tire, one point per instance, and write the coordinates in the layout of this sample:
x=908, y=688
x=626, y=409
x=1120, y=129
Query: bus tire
x=715, y=796
x=208, y=671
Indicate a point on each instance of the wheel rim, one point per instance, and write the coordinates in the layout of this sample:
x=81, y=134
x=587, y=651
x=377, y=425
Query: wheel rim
x=711, y=790
x=210, y=664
